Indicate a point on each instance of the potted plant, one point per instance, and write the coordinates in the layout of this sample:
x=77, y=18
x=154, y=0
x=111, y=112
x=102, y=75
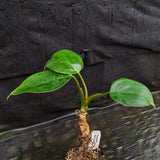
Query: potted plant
x=65, y=65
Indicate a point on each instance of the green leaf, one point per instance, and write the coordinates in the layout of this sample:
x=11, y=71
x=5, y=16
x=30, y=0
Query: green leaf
x=45, y=81
x=65, y=61
x=131, y=93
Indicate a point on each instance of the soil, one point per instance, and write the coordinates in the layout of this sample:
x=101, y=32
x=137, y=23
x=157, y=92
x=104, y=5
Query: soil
x=83, y=153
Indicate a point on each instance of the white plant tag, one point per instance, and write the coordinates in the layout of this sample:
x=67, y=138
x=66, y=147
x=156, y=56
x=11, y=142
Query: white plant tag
x=95, y=140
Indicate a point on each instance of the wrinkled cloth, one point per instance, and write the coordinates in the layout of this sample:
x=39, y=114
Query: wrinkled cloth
x=32, y=30
x=116, y=39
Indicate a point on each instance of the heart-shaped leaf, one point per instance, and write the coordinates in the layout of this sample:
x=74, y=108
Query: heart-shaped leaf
x=45, y=81
x=65, y=61
x=131, y=93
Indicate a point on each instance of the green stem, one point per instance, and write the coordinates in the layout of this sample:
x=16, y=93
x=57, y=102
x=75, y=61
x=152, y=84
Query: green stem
x=84, y=86
x=90, y=98
x=80, y=90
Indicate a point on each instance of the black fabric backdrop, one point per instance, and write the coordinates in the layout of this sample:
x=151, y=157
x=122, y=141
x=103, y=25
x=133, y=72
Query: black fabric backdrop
x=116, y=38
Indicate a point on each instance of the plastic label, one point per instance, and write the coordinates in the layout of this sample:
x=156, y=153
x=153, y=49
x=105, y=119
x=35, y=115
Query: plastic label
x=95, y=140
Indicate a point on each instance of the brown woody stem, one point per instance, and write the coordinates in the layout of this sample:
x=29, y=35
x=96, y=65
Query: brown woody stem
x=84, y=127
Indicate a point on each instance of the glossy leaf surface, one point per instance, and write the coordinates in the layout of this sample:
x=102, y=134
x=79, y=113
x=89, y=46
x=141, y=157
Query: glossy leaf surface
x=131, y=93
x=45, y=81
x=65, y=61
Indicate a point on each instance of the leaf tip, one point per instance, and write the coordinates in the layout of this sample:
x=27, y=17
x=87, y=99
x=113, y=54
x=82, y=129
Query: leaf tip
x=153, y=105
x=8, y=97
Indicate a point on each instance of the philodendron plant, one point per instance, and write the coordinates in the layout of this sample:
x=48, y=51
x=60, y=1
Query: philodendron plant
x=62, y=67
